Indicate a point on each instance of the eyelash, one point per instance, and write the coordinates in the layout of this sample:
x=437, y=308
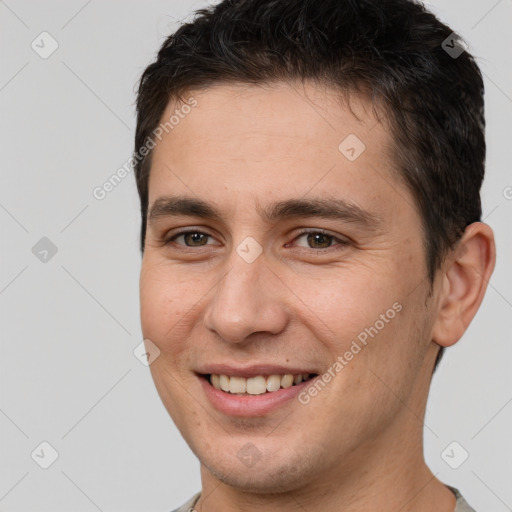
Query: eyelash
x=341, y=242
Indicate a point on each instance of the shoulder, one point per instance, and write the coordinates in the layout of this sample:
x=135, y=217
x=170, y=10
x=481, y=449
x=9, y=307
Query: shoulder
x=462, y=505
x=189, y=505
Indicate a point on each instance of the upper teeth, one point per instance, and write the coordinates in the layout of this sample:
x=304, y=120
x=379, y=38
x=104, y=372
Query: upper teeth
x=256, y=385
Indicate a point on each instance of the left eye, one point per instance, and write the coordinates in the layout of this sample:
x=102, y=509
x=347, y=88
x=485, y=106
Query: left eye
x=319, y=240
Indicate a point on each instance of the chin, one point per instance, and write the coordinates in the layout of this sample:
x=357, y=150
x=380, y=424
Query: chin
x=268, y=475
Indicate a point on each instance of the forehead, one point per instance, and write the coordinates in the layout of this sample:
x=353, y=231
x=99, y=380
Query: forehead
x=276, y=116
x=278, y=140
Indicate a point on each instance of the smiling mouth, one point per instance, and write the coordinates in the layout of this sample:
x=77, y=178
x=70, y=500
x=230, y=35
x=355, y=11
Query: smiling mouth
x=257, y=385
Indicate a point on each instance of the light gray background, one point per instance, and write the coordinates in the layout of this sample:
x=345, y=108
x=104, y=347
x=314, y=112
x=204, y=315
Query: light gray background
x=69, y=326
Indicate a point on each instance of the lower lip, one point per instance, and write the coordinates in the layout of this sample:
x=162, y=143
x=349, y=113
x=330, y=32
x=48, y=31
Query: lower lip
x=250, y=405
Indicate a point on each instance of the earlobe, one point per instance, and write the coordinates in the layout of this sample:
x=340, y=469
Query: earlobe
x=464, y=277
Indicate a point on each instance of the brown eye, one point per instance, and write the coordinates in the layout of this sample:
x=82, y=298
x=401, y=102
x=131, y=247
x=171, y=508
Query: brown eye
x=319, y=240
x=195, y=239
x=190, y=239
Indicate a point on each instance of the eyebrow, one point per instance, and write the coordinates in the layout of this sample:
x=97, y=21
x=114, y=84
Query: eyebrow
x=327, y=208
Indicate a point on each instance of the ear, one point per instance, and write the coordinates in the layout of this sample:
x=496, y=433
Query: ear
x=465, y=275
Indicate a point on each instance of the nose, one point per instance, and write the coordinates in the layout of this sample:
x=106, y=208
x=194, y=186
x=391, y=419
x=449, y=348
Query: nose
x=248, y=299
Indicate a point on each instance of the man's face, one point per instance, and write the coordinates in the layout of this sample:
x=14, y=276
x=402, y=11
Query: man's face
x=268, y=289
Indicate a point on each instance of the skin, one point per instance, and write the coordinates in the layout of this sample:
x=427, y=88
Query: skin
x=358, y=444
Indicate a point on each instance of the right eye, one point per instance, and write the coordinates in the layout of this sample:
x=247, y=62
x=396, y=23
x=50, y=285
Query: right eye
x=189, y=239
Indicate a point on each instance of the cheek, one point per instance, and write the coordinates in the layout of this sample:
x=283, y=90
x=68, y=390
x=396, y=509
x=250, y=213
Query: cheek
x=372, y=321
x=345, y=302
x=166, y=302
x=395, y=355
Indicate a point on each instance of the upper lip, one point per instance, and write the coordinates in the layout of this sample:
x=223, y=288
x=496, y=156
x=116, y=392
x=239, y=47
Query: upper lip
x=252, y=371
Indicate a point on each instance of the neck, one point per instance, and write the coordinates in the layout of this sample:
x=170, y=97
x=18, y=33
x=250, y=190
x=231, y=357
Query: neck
x=390, y=480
